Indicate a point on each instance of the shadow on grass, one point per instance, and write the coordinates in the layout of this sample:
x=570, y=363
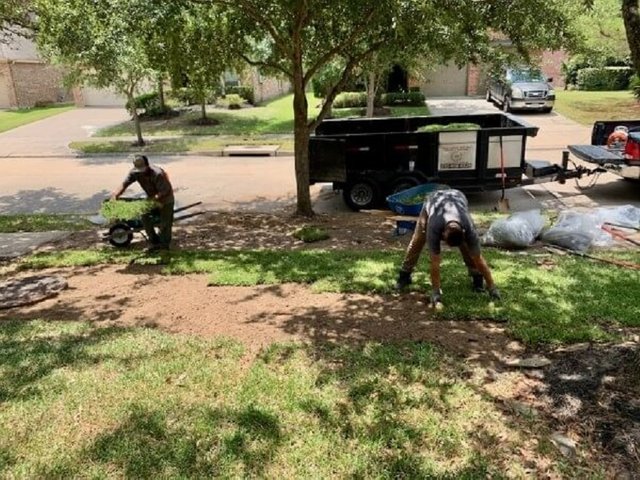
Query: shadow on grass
x=183, y=443
x=26, y=361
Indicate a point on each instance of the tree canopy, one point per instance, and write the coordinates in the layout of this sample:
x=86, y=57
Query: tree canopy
x=296, y=38
x=16, y=18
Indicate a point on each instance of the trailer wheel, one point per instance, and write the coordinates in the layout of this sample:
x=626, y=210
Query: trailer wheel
x=361, y=194
x=120, y=235
x=404, y=183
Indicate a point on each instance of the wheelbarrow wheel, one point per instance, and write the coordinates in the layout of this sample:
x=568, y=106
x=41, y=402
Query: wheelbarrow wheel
x=120, y=235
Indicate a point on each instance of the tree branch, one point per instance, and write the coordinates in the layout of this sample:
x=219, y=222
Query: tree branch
x=337, y=88
x=331, y=53
x=258, y=63
x=258, y=16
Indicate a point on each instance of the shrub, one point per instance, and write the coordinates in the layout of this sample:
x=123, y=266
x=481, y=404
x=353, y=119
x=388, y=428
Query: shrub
x=233, y=101
x=413, y=98
x=150, y=103
x=244, y=91
x=605, y=78
x=350, y=100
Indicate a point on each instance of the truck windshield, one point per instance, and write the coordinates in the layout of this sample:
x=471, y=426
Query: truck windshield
x=525, y=76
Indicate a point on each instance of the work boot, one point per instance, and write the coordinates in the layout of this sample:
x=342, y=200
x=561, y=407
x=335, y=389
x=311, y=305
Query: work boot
x=477, y=283
x=404, y=280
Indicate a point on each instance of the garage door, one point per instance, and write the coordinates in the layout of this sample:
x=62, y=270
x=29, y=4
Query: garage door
x=446, y=81
x=94, y=97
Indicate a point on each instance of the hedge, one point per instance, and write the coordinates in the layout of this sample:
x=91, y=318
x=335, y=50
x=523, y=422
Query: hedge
x=604, y=79
x=412, y=98
x=359, y=99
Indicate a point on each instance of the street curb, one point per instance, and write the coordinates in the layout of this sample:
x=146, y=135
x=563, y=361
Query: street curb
x=217, y=153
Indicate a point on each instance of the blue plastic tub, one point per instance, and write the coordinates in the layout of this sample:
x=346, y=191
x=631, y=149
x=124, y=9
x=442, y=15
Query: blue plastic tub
x=399, y=202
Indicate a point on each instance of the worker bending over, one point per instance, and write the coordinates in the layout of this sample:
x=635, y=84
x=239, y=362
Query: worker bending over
x=445, y=217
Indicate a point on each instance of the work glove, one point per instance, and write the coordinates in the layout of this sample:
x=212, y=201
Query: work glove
x=404, y=279
x=494, y=293
x=436, y=297
x=477, y=283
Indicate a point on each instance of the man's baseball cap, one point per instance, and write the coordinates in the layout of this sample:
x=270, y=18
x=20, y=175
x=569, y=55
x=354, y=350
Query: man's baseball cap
x=140, y=163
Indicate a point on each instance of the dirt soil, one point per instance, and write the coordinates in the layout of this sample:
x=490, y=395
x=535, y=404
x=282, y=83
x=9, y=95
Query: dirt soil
x=589, y=393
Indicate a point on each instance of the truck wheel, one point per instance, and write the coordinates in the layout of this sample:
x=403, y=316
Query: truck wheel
x=506, y=105
x=120, y=235
x=361, y=194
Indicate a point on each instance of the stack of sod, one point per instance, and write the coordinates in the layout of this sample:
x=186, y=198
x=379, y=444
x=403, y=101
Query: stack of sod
x=114, y=210
x=452, y=127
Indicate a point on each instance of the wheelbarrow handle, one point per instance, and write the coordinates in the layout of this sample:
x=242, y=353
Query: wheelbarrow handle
x=186, y=207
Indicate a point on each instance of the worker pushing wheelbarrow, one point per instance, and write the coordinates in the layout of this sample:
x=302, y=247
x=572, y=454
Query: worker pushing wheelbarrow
x=158, y=215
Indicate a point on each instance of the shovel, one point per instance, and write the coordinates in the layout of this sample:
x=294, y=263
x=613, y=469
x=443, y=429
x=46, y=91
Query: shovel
x=503, y=203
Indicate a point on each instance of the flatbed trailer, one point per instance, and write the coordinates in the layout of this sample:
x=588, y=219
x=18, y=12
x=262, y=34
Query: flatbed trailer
x=607, y=158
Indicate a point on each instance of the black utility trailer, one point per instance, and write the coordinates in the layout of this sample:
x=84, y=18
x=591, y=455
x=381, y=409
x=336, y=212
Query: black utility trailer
x=371, y=158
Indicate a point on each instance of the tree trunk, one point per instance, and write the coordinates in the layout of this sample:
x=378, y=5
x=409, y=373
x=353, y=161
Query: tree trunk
x=371, y=94
x=301, y=148
x=161, y=93
x=631, y=17
x=203, y=109
x=136, y=120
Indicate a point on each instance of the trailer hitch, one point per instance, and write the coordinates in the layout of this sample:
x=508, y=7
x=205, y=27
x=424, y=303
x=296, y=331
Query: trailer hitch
x=577, y=172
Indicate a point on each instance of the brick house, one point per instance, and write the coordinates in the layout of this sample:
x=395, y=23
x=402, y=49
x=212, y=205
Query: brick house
x=25, y=80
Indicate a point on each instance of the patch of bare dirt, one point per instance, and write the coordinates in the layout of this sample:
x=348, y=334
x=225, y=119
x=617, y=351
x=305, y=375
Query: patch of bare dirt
x=589, y=393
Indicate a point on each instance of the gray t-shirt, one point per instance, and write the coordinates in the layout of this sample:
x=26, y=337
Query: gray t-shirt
x=446, y=206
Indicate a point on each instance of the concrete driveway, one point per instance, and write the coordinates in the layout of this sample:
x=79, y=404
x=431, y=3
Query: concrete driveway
x=50, y=137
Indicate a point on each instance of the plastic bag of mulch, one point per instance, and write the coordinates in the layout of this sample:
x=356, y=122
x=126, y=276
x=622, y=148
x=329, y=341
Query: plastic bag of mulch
x=518, y=230
x=577, y=231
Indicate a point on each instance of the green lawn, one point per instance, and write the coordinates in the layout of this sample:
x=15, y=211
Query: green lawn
x=268, y=124
x=274, y=117
x=587, y=107
x=546, y=299
x=80, y=401
x=193, y=144
x=10, y=119
x=41, y=222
